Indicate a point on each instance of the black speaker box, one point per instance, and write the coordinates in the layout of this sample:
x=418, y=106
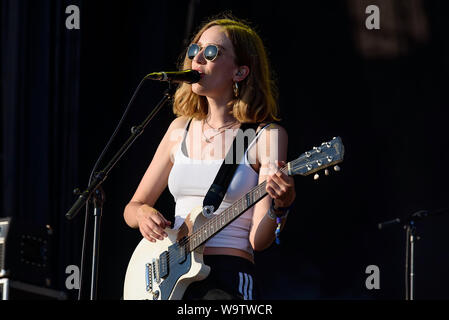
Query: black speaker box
x=25, y=291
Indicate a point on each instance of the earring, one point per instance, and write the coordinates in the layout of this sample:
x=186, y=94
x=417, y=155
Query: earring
x=236, y=89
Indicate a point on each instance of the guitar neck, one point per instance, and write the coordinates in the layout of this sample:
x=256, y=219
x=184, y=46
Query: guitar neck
x=219, y=221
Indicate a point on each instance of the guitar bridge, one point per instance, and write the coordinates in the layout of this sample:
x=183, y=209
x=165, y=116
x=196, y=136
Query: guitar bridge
x=149, y=277
x=149, y=268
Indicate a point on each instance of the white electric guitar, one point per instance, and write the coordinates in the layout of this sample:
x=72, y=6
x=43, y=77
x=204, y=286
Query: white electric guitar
x=162, y=270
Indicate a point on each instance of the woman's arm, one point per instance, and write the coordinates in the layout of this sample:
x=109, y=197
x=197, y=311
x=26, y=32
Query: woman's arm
x=271, y=149
x=139, y=212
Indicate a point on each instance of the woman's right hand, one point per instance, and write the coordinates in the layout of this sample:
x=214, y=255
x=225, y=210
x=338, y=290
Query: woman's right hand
x=151, y=223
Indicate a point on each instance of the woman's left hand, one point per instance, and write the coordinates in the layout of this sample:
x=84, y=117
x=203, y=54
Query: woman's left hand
x=281, y=187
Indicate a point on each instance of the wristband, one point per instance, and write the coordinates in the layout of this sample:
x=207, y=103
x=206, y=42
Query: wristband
x=273, y=216
x=278, y=219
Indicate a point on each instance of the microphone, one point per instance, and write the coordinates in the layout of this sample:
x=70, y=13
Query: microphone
x=189, y=76
x=419, y=215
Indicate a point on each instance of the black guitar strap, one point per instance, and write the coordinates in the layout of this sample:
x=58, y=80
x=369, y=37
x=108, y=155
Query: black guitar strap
x=217, y=190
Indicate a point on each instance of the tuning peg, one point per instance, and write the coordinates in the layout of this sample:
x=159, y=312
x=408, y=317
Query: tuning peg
x=326, y=172
x=316, y=176
x=337, y=168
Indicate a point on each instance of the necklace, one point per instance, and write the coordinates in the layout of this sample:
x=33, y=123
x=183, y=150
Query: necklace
x=225, y=126
x=209, y=139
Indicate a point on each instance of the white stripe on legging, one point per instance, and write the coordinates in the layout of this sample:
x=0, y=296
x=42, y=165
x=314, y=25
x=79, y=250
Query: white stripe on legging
x=246, y=285
x=250, y=291
x=241, y=283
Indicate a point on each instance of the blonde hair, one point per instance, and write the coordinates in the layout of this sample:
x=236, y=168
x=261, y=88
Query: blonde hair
x=258, y=94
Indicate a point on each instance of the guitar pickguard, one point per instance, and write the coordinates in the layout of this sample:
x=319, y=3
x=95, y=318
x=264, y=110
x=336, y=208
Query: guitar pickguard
x=176, y=271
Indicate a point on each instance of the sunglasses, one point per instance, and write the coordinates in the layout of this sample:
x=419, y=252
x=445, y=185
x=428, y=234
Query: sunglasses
x=210, y=52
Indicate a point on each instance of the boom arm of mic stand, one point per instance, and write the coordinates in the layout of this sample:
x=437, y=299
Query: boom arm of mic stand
x=416, y=216
x=95, y=186
x=102, y=175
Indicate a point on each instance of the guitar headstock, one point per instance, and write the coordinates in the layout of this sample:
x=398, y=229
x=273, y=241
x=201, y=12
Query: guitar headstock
x=328, y=154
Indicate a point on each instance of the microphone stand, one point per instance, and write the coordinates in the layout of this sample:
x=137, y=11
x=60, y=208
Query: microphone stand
x=411, y=238
x=94, y=189
x=410, y=259
x=98, y=200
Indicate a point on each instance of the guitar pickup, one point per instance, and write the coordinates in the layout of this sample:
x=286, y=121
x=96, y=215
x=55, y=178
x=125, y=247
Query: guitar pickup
x=180, y=249
x=163, y=265
x=156, y=276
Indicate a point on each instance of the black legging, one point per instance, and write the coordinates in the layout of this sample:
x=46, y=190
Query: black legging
x=230, y=278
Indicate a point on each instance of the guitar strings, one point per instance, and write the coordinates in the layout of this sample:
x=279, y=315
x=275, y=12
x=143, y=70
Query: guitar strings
x=173, y=252
x=186, y=241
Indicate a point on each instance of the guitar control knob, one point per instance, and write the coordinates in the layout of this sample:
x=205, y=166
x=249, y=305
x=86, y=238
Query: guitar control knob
x=337, y=168
x=208, y=211
x=316, y=176
x=326, y=172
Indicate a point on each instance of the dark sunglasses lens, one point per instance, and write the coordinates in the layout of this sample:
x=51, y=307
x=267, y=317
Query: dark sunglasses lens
x=210, y=53
x=193, y=51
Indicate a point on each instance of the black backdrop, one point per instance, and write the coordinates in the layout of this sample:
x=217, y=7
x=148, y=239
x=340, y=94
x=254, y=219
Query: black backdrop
x=63, y=92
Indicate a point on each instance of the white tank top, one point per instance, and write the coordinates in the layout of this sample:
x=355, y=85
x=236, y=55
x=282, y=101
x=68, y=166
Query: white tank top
x=189, y=181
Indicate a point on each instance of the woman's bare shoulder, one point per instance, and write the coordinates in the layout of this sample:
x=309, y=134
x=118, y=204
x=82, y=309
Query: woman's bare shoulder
x=179, y=123
x=272, y=126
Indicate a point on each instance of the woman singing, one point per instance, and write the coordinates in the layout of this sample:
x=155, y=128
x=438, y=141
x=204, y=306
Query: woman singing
x=235, y=88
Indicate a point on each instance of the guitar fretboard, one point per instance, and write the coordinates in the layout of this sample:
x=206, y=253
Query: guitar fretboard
x=219, y=221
